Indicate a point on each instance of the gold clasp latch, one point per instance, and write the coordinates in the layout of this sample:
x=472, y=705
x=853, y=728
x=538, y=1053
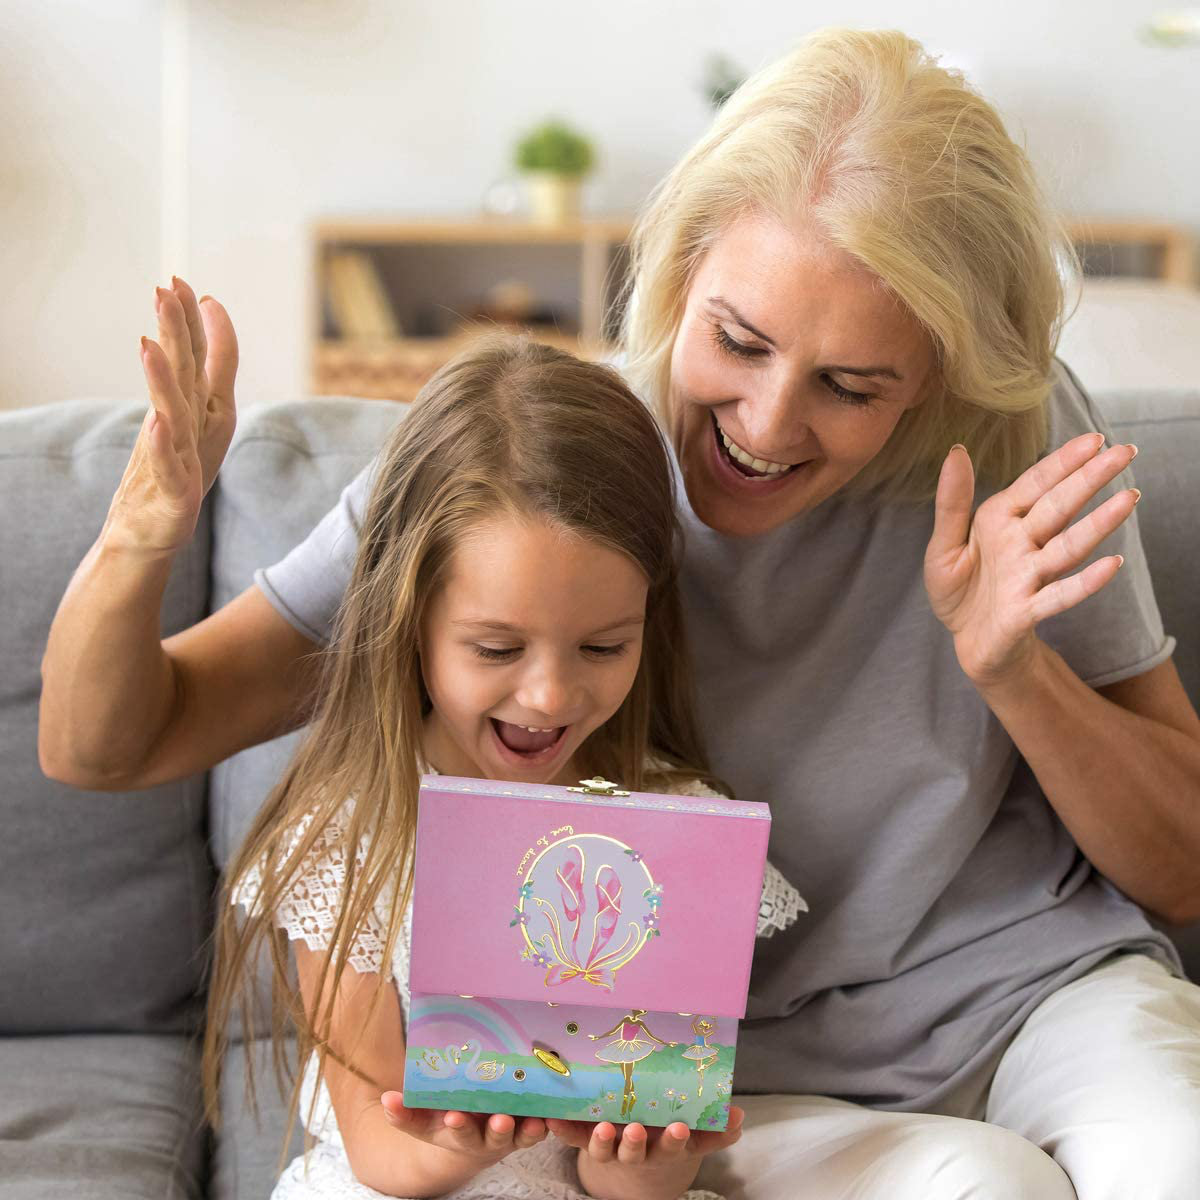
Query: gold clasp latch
x=598, y=787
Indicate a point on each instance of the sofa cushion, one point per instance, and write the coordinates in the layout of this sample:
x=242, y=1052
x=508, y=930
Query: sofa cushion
x=106, y=1116
x=286, y=467
x=249, y=1152
x=1165, y=427
x=112, y=890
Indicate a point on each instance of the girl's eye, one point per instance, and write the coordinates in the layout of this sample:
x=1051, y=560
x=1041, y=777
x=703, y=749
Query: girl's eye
x=605, y=651
x=732, y=346
x=492, y=654
x=845, y=393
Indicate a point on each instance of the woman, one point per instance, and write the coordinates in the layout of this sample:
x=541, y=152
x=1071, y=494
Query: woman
x=976, y=777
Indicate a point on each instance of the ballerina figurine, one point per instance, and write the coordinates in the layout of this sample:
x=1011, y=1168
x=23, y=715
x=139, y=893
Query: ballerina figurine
x=627, y=1048
x=700, y=1051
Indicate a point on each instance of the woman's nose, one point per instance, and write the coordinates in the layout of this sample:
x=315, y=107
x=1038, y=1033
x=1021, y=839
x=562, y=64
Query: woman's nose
x=774, y=421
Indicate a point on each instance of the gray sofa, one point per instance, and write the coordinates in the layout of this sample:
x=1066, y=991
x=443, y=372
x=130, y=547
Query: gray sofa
x=105, y=900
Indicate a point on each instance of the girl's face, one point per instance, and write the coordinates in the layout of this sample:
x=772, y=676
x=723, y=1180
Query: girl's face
x=791, y=368
x=531, y=645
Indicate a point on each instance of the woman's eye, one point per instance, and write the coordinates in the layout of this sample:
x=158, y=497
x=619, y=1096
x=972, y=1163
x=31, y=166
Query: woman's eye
x=493, y=654
x=845, y=393
x=605, y=651
x=732, y=346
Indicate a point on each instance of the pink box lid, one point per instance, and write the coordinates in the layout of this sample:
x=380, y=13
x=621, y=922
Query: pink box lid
x=537, y=892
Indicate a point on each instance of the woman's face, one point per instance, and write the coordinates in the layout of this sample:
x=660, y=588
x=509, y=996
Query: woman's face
x=531, y=644
x=790, y=370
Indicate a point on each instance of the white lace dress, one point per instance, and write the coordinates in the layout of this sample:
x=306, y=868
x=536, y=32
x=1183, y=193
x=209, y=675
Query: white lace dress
x=543, y=1172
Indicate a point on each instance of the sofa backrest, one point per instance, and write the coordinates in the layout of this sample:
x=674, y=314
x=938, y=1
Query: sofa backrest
x=105, y=897
x=113, y=892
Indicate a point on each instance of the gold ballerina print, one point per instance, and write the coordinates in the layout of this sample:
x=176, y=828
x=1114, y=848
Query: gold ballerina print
x=627, y=1048
x=700, y=1051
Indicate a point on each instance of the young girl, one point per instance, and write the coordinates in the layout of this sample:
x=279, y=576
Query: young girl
x=513, y=615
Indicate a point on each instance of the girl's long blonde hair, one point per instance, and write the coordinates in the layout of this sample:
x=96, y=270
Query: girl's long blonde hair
x=911, y=172
x=510, y=426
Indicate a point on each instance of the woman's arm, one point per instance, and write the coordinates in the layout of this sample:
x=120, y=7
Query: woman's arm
x=431, y=1152
x=1121, y=766
x=120, y=708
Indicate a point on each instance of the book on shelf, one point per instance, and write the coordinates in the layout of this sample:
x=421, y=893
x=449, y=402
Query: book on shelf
x=357, y=300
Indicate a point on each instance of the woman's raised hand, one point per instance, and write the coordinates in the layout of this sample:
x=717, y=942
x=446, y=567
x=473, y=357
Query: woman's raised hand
x=190, y=373
x=993, y=576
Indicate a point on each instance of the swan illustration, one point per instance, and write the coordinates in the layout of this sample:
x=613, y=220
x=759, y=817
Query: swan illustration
x=445, y=1065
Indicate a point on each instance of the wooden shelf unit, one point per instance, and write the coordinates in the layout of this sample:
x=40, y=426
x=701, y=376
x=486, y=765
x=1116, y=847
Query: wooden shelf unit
x=583, y=260
x=1150, y=249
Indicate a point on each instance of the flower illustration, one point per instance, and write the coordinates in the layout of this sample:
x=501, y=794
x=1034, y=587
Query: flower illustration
x=521, y=918
x=526, y=890
x=670, y=1091
x=635, y=855
x=650, y=920
x=595, y=1111
x=712, y=1120
x=651, y=1103
x=610, y=1095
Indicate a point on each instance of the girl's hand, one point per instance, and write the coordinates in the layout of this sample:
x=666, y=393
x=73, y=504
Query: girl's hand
x=187, y=429
x=642, y=1164
x=478, y=1136
x=992, y=578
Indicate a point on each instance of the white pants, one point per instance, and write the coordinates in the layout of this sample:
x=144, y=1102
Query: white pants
x=1097, y=1097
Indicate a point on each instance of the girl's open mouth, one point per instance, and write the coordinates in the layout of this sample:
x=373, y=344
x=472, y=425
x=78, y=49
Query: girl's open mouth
x=521, y=744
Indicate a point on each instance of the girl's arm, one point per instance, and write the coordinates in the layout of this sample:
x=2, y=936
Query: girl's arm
x=397, y=1151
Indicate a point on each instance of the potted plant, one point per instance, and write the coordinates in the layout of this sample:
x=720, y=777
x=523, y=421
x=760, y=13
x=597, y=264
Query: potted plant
x=554, y=158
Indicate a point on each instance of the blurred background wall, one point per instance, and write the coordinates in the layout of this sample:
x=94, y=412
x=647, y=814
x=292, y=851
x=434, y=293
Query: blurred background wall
x=141, y=137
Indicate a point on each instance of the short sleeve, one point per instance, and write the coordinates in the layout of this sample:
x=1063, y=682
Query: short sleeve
x=306, y=587
x=780, y=903
x=1117, y=633
x=310, y=909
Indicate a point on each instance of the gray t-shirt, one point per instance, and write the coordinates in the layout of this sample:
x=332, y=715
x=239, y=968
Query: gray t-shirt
x=946, y=898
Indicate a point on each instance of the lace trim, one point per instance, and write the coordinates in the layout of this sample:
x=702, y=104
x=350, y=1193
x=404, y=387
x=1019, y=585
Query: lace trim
x=310, y=909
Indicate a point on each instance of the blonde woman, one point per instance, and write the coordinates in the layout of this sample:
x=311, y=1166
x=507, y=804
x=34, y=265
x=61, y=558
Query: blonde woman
x=923, y=628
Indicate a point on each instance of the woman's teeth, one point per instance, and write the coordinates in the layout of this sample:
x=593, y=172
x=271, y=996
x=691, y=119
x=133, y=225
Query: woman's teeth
x=761, y=465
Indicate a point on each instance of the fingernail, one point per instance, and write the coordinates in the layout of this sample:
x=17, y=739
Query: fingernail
x=957, y=446
x=1135, y=452
x=1120, y=561
x=1137, y=494
x=175, y=283
x=205, y=297
x=145, y=345
x=159, y=293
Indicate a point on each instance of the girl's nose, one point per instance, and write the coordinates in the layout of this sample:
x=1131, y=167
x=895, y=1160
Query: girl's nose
x=548, y=692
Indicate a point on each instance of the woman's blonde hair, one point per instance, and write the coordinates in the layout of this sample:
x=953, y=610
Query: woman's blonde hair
x=911, y=172
x=508, y=427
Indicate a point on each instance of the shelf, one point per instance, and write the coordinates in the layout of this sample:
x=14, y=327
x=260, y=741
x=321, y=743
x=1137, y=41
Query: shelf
x=397, y=368
x=435, y=282
x=496, y=231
